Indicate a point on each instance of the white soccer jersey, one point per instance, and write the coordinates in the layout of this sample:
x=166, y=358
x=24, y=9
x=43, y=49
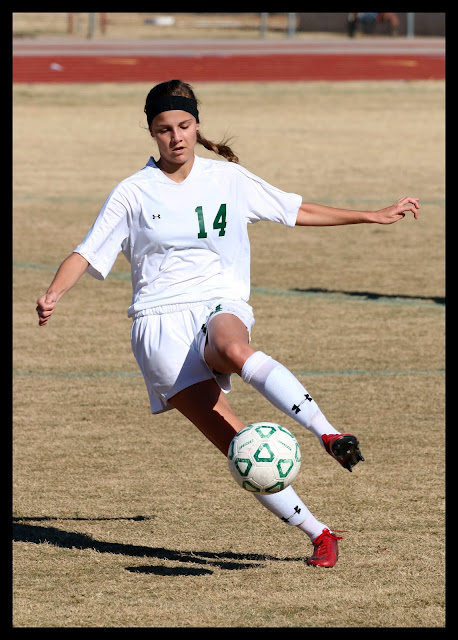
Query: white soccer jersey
x=186, y=242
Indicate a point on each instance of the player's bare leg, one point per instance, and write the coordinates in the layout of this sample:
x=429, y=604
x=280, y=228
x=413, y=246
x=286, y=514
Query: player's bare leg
x=205, y=405
x=228, y=351
x=227, y=347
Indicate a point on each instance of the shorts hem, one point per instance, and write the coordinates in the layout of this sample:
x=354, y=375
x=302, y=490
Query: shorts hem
x=164, y=402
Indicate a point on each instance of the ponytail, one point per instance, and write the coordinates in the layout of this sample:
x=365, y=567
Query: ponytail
x=221, y=148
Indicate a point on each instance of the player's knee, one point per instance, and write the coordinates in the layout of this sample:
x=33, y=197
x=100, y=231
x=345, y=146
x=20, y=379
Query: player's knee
x=230, y=355
x=236, y=353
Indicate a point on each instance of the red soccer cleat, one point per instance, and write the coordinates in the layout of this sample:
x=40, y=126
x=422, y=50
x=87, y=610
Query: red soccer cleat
x=326, y=551
x=344, y=448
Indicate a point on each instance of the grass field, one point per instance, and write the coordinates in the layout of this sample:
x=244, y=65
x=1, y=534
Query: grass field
x=123, y=519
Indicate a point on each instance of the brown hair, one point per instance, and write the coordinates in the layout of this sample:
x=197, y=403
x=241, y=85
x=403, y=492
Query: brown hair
x=180, y=88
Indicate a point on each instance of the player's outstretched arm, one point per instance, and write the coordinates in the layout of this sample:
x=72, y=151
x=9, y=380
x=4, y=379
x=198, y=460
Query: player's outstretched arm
x=68, y=274
x=318, y=215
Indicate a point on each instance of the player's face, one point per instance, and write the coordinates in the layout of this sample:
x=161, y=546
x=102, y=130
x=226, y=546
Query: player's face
x=175, y=133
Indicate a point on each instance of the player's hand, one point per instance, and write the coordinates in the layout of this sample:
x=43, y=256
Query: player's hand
x=398, y=211
x=45, y=307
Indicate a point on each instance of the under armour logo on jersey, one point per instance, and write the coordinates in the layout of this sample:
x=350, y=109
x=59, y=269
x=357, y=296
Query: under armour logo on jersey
x=158, y=216
x=295, y=407
x=296, y=510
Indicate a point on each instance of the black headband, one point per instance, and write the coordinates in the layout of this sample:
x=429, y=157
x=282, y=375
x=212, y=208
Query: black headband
x=170, y=103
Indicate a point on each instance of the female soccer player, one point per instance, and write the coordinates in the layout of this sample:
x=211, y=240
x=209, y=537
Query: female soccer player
x=181, y=222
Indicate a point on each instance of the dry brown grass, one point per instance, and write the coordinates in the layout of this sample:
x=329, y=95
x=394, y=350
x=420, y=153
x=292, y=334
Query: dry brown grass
x=127, y=520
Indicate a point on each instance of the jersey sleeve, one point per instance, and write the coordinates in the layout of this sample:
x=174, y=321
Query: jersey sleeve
x=266, y=202
x=107, y=236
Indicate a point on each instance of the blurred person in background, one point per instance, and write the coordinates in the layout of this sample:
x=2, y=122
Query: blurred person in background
x=369, y=21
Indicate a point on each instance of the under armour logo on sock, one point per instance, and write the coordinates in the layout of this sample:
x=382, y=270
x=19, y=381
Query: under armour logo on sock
x=296, y=510
x=295, y=407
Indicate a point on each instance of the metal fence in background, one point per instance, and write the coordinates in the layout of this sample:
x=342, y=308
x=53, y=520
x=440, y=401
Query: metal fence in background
x=223, y=25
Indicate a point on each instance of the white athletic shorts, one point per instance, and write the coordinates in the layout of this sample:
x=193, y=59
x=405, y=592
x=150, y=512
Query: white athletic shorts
x=168, y=343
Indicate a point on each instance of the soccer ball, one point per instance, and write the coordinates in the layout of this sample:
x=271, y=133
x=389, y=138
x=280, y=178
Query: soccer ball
x=264, y=457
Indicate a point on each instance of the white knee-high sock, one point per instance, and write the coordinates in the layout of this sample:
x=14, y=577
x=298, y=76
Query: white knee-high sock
x=287, y=506
x=278, y=385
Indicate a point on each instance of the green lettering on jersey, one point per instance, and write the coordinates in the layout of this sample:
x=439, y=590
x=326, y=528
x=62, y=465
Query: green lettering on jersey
x=200, y=216
x=218, y=223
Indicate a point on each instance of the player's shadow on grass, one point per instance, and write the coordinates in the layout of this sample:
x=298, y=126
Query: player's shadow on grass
x=371, y=295
x=227, y=560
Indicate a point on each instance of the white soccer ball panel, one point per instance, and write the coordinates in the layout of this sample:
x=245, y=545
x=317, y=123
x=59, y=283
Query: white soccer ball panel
x=264, y=457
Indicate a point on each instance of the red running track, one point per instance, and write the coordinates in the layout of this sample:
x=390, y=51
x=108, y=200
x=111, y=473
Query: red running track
x=387, y=59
